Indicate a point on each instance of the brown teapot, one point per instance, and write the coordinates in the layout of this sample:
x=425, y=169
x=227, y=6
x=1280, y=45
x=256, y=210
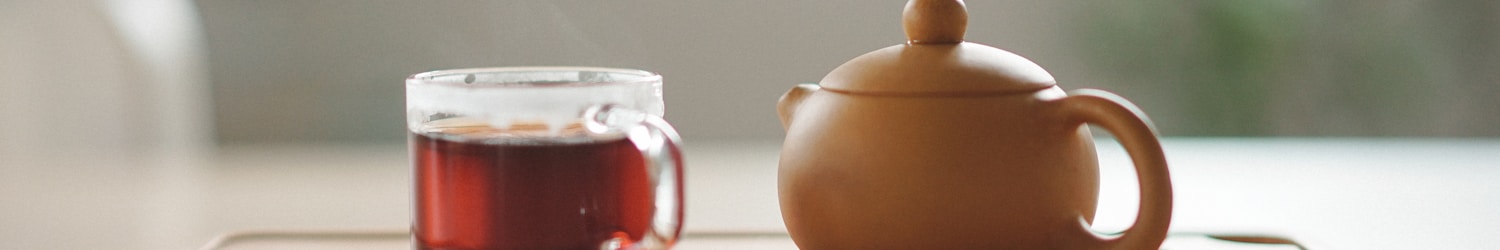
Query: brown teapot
x=944, y=144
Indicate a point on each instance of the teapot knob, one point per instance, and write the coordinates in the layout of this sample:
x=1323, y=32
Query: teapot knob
x=935, y=21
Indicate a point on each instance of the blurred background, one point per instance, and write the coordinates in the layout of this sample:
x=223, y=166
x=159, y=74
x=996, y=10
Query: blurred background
x=330, y=71
x=273, y=72
x=97, y=78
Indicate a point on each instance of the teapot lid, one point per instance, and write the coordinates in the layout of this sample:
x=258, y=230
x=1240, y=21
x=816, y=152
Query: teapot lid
x=936, y=60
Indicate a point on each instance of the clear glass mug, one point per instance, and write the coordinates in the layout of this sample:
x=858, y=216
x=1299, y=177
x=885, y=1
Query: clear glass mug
x=542, y=158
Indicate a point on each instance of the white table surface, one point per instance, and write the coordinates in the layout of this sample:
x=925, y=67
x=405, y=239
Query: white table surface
x=1334, y=193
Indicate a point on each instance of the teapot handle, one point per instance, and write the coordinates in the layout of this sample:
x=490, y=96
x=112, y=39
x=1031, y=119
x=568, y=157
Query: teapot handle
x=1134, y=131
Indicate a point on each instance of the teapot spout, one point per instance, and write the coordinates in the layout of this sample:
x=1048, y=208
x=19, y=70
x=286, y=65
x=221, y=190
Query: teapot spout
x=791, y=100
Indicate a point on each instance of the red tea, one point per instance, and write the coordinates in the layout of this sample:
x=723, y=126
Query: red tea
x=527, y=194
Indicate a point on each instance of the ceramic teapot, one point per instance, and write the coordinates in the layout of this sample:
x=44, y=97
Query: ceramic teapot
x=944, y=144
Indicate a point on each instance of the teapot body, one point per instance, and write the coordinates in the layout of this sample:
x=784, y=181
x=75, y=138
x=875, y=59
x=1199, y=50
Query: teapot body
x=973, y=171
x=939, y=143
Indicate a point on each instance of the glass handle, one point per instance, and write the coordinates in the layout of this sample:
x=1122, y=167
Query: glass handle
x=660, y=148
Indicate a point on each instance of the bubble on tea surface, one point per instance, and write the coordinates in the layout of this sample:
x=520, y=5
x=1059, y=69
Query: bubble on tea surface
x=501, y=121
x=459, y=126
x=556, y=124
x=515, y=132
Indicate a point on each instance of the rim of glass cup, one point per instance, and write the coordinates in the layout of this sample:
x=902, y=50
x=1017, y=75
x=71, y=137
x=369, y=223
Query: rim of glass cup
x=426, y=78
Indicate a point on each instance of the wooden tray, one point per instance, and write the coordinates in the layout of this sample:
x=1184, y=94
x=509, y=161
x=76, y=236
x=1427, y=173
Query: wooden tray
x=401, y=240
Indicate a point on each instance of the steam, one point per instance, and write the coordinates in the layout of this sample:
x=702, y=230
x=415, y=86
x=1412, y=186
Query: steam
x=527, y=33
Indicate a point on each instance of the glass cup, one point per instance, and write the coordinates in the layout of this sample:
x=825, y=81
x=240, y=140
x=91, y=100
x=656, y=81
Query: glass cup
x=542, y=158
